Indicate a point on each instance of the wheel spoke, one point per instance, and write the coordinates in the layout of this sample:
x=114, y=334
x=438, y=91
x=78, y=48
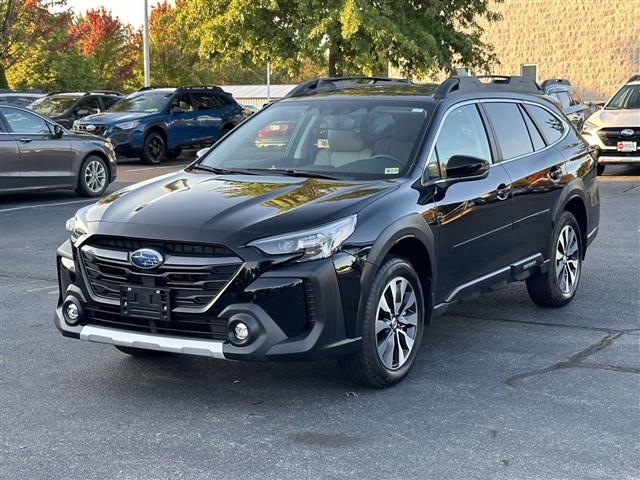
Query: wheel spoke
x=407, y=339
x=380, y=326
x=401, y=357
x=383, y=304
x=409, y=302
x=411, y=319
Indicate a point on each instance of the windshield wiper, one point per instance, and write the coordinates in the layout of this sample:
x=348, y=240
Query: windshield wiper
x=303, y=173
x=223, y=171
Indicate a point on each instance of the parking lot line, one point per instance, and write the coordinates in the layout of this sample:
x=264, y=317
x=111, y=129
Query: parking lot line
x=23, y=207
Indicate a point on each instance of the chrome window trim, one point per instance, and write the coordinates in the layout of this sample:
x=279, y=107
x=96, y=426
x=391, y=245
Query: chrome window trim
x=493, y=100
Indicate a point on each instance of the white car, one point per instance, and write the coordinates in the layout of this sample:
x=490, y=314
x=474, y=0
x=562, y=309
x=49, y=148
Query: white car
x=615, y=129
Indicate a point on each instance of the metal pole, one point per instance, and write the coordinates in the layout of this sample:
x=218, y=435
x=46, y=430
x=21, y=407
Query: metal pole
x=147, y=68
x=268, y=81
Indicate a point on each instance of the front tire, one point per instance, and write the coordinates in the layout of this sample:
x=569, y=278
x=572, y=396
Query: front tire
x=600, y=169
x=392, y=327
x=93, y=178
x=155, y=149
x=557, y=287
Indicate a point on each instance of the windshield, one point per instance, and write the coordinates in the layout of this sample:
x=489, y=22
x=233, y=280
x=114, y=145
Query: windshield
x=148, y=102
x=336, y=137
x=627, y=98
x=53, y=105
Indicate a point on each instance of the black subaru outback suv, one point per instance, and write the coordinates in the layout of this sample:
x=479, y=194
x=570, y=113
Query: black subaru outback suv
x=382, y=204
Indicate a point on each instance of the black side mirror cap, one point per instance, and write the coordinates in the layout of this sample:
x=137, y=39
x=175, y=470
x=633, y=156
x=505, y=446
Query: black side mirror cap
x=463, y=167
x=57, y=131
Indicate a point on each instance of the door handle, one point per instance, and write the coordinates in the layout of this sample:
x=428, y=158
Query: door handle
x=24, y=140
x=503, y=190
x=555, y=174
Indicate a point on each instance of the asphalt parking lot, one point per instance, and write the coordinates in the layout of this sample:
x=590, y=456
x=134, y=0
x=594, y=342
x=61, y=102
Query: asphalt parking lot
x=501, y=389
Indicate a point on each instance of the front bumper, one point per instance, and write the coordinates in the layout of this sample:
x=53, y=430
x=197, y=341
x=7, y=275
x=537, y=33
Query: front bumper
x=609, y=154
x=294, y=312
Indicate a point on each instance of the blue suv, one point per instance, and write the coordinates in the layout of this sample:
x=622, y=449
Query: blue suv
x=156, y=123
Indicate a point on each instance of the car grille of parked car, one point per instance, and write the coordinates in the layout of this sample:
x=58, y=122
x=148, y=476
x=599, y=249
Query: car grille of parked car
x=195, y=275
x=90, y=128
x=611, y=136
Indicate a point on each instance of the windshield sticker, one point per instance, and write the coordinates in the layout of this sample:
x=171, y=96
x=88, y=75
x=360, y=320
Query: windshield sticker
x=391, y=171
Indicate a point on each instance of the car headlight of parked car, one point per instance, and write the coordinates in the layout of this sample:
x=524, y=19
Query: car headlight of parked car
x=313, y=244
x=77, y=226
x=128, y=125
x=588, y=126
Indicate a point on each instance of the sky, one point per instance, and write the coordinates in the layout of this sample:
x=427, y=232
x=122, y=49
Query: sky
x=129, y=11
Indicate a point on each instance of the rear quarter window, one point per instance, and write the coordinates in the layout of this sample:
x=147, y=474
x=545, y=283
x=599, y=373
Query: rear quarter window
x=548, y=124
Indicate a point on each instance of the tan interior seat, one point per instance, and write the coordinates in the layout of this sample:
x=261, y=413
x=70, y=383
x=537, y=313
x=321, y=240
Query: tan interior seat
x=345, y=146
x=402, y=139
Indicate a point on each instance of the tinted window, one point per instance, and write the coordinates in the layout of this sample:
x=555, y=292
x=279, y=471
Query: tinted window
x=24, y=122
x=549, y=125
x=510, y=129
x=183, y=102
x=107, y=101
x=563, y=98
x=575, y=98
x=536, y=138
x=207, y=101
x=90, y=103
x=462, y=133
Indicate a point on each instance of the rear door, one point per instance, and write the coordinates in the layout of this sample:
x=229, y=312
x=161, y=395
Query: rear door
x=45, y=161
x=525, y=135
x=10, y=178
x=475, y=218
x=183, y=124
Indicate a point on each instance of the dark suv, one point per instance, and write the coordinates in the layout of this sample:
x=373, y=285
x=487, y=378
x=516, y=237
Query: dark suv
x=65, y=108
x=156, y=123
x=383, y=205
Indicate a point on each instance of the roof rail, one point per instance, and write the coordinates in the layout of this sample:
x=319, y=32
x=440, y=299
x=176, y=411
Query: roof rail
x=500, y=83
x=634, y=78
x=329, y=84
x=104, y=92
x=554, y=81
x=201, y=87
x=153, y=87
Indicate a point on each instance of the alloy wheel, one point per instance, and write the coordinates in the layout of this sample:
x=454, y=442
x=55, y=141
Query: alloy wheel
x=396, y=323
x=155, y=148
x=95, y=175
x=567, y=260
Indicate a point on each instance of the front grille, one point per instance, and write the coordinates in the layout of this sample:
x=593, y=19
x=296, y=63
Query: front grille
x=611, y=136
x=180, y=325
x=312, y=304
x=96, y=130
x=192, y=285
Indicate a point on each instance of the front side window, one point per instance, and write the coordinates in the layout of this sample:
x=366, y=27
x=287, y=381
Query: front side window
x=462, y=133
x=143, y=102
x=628, y=97
x=549, y=125
x=510, y=129
x=90, y=103
x=107, y=101
x=183, y=102
x=335, y=137
x=50, y=106
x=24, y=122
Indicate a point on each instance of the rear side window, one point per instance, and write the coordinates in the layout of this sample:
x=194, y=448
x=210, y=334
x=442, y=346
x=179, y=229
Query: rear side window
x=536, y=138
x=510, y=129
x=551, y=128
x=575, y=98
x=564, y=99
x=462, y=133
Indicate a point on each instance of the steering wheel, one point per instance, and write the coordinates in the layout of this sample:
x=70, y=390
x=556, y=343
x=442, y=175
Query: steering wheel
x=394, y=159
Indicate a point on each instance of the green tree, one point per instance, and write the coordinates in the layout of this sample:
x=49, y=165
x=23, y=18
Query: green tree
x=347, y=36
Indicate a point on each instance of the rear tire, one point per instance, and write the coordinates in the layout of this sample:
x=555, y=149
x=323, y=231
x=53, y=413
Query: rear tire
x=154, y=150
x=174, y=153
x=392, y=330
x=141, y=352
x=93, y=177
x=600, y=169
x=557, y=287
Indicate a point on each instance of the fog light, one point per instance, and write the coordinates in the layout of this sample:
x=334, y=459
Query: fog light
x=72, y=311
x=241, y=331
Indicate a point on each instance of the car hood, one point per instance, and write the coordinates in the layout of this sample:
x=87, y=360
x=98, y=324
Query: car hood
x=616, y=118
x=112, y=117
x=237, y=208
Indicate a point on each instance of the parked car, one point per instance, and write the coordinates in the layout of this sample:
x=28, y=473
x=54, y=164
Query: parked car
x=570, y=102
x=156, y=123
x=251, y=109
x=65, y=108
x=19, y=98
x=425, y=195
x=615, y=130
x=38, y=154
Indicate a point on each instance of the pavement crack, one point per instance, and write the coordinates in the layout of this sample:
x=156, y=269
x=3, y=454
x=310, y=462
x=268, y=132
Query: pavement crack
x=575, y=360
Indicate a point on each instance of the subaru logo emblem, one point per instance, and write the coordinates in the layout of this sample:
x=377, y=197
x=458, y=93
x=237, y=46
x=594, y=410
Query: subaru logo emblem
x=628, y=132
x=146, y=258
x=91, y=128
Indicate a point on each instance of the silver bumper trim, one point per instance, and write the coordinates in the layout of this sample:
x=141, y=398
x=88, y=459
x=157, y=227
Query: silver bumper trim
x=163, y=343
x=604, y=158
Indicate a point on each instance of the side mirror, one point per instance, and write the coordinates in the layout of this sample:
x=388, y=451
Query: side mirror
x=83, y=112
x=462, y=167
x=201, y=152
x=175, y=110
x=57, y=131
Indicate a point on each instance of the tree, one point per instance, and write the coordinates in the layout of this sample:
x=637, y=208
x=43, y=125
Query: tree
x=22, y=23
x=348, y=36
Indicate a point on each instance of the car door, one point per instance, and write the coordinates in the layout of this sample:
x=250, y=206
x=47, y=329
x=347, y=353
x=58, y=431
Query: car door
x=10, y=178
x=45, y=160
x=536, y=169
x=183, y=125
x=211, y=110
x=474, y=218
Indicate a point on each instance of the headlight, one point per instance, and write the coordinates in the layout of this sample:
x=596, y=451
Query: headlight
x=313, y=244
x=75, y=125
x=588, y=126
x=77, y=226
x=128, y=125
